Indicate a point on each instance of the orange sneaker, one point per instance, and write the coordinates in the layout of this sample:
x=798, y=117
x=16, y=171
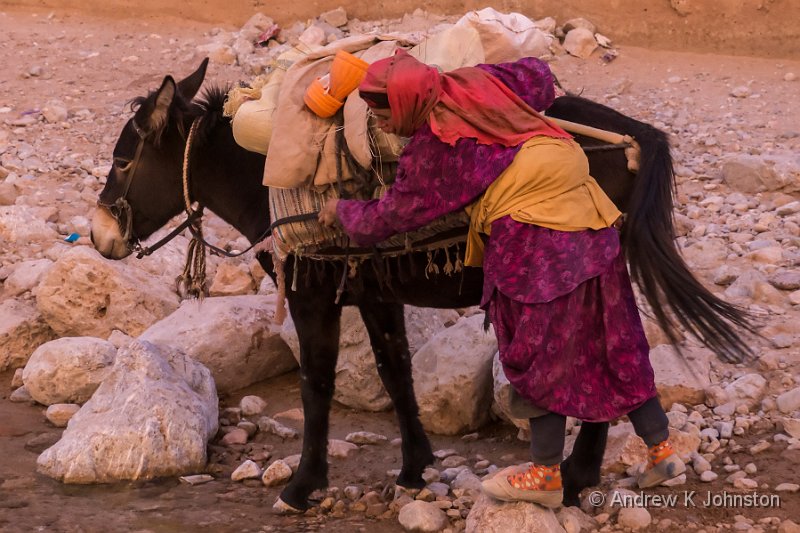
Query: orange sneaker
x=663, y=464
x=538, y=484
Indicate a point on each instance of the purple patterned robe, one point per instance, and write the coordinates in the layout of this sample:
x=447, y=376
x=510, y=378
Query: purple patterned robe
x=568, y=329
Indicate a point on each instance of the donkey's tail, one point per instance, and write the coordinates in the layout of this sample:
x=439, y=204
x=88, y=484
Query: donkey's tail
x=675, y=296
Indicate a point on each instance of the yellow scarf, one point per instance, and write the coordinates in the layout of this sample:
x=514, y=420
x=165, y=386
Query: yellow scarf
x=547, y=184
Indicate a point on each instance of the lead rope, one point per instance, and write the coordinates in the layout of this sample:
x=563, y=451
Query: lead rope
x=193, y=279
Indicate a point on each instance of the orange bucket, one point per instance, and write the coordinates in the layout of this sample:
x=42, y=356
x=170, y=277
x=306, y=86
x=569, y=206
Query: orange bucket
x=347, y=72
x=324, y=105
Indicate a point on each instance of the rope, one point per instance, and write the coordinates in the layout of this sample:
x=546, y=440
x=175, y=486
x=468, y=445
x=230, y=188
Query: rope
x=193, y=279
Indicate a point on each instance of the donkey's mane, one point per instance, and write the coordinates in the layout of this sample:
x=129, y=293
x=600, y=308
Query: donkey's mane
x=207, y=106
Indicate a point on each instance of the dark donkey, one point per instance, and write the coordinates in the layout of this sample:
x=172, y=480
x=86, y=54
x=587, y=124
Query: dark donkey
x=226, y=179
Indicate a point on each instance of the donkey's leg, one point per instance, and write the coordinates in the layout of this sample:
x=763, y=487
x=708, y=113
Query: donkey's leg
x=387, y=333
x=582, y=468
x=316, y=319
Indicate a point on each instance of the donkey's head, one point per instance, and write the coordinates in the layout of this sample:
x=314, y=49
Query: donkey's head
x=143, y=190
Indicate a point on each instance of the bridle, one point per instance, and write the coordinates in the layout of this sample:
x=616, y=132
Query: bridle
x=192, y=280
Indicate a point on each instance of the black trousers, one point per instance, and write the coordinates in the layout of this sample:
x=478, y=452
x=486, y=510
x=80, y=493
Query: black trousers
x=547, y=432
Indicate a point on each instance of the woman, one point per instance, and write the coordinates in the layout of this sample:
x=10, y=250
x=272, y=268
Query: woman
x=556, y=286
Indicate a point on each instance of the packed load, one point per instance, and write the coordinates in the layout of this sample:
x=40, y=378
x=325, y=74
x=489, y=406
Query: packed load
x=320, y=140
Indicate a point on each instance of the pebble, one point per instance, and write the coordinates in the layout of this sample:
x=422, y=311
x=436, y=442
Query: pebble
x=270, y=425
x=442, y=454
x=340, y=448
x=252, y=405
x=246, y=470
x=634, y=518
x=422, y=516
x=454, y=461
x=21, y=395
x=235, y=436
x=760, y=447
x=365, y=437
x=787, y=487
x=197, y=479
x=59, y=414
x=276, y=473
x=708, y=476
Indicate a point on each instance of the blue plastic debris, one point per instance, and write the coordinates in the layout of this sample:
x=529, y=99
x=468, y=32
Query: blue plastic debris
x=72, y=237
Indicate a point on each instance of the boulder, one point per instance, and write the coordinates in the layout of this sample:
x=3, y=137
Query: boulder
x=453, y=377
x=233, y=336
x=753, y=286
x=20, y=226
x=751, y=174
x=85, y=295
x=502, y=396
x=358, y=384
x=68, y=370
x=748, y=389
x=151, y=417
x=580, y=42
x=626, y=449
x=681, y=378
x=22, y=330
x=26, y=276
x=492, y=516
x=232, y=279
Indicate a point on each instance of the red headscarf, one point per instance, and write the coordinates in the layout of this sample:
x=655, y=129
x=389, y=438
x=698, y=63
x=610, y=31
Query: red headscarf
x=467, y=102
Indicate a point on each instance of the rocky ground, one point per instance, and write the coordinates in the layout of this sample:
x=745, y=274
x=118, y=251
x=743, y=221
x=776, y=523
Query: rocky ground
x=733, y=122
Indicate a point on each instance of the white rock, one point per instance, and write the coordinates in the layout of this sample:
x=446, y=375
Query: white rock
x=357, y=382
x=708, y=476
x=580, y=42
x=792, y=427
x=634, y=517
x=422, y=516
x=750, y=174
x=26, y=276
x=681, y=379
x=246, y=470
x=365, y=437
x=492, y=516
x=502, y=396
x=68, y=370
x=700, y=464
x=59, y=414
x=233, y=336
x=752, y=286
x=276, y=473
x=252, y=405
x=19, y=226
x=742, y=91
x=749, y=388
x=787, y=487
x=55, y=111
x=336, y=17
x=453, y=377
x=232, y=279
x=86, y=295
x=788, y=402
x=340, y=448
x=151, y=417
x=22, y=330
x=272, y=426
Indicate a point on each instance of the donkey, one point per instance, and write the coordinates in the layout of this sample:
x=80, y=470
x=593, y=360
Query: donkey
x=144, y=191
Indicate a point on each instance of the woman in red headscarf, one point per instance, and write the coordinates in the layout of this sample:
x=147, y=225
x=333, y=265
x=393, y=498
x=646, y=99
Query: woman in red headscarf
x=556, y=287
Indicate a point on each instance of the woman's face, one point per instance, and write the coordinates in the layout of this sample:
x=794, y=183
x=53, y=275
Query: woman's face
x=383, y=119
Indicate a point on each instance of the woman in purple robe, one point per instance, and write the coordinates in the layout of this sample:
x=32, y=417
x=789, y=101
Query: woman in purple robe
x=556, y=287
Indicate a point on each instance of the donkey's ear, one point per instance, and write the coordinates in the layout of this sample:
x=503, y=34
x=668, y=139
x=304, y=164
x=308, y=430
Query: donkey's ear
x=189, y=86
x=163, y=100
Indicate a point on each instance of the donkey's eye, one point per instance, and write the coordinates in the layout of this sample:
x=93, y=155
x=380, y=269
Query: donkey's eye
x=122, y=164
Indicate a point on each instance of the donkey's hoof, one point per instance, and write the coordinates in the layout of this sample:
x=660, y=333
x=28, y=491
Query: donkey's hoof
x=284, y=508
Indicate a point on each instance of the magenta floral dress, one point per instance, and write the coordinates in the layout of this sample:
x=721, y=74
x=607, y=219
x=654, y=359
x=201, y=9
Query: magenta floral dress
x=569, y=333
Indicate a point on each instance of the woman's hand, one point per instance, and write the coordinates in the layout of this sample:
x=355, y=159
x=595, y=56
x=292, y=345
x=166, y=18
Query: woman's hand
x=327, y=215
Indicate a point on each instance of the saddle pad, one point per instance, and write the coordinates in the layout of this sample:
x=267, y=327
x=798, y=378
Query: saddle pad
x=309, y=238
